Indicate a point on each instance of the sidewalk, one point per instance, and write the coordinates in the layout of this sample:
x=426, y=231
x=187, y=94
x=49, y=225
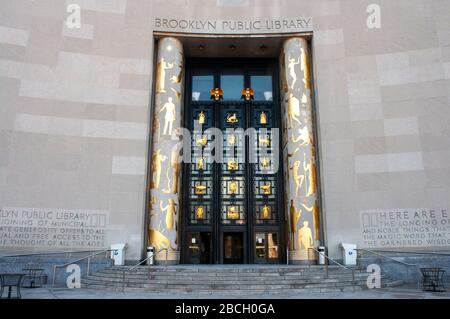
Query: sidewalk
x=403, y=292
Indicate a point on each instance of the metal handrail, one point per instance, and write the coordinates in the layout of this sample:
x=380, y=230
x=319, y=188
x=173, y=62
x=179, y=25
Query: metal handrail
x=78, y=260
x=337, y=263
x=138, y=264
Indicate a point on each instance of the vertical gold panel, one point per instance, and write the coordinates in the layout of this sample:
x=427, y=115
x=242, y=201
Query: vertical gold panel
x=299, y=149
x=165, y=175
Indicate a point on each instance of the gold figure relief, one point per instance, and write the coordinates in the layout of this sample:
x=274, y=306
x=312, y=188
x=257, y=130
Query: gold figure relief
x=157, y=160
x=177, y=93
x=232, y=165
x=298, y=178
x=161, y=68
x=265, y=212
x=305, y=239
x=316, y=218
x=294, y=217
x=265, y=163
x=158, y=240
x=266, y=189
x=232, y=118
x=312, y=177
x=200, y=163
x=291, y=66
x=232, y=213
x=263, y=118
x=176, y=167
x=284, y=82
x=293, y=109
x=169, y=117
x=233, y=187
x=201, y=118
x=200, y=189
x=305, y=137
x=170, y=210
x=177, y=78
x=306, y=69
x=200, y=213
x=201, y=141
x=264, y=141
x=231, y=140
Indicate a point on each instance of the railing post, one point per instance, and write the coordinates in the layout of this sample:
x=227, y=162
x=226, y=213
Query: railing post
x=88, y=266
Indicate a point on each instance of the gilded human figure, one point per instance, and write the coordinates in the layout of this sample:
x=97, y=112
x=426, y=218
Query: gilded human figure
x=161, y=68
x=170, y=210
x=231, y=140
x=200, y=163
x=265, y=212
x=294, y=217
x=305, y=239
x=170, y=116
x=310, y=168
x=157, y=160
x=172, y=184
x=200, y=212
x=291, y=66
x=201, y=118
x=263, y=118
x=314, y=209
x=305, y=137
x=233, y=187
x=305, y=68
x=298, y=178
x=293, y=109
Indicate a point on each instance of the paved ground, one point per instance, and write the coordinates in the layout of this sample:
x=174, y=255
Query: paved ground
x=403, y=292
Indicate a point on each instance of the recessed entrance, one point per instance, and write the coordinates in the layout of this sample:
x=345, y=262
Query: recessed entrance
x=233, y=248
x=232, y=200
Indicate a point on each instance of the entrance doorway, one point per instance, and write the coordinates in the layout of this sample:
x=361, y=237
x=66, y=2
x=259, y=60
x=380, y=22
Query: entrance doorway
x=233, y=200
x=233, y=248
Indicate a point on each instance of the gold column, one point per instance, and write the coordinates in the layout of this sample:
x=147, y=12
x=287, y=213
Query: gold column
x=165, y=159
x=299, y=154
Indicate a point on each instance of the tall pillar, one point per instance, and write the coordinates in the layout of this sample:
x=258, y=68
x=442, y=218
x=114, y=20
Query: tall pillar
x=299, y=156
x=165, y=176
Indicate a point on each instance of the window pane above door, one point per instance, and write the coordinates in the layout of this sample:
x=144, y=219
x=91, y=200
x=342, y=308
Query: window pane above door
x=201, y=85
x=232, y=86
x=262, y=85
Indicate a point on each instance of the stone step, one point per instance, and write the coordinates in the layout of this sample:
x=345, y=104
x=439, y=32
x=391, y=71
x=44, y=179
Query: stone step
x=243, y=293
x=242, y=280
x=102, y=276
x=226, y=277
x=214, y=269
x=229, y=283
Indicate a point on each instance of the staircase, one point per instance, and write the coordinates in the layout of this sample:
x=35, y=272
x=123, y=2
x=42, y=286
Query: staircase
x=231, y=279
